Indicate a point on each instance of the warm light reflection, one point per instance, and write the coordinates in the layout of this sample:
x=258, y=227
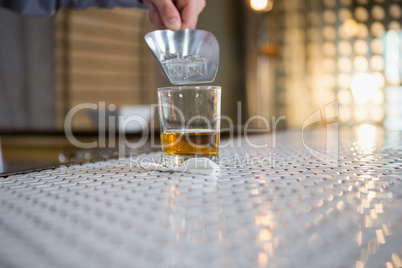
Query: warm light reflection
x=269, y=248
x=372, y=246
x=364, y=87
x=359, y=238
x=379, y=208
x=385, y=229
x=366, y=136
x=367, y=221
x=265, y=220
x=261, y=5
x=254, y=191
x=262, y=259
x=373, y=214
x=380, y=236
x=396, y=260
x=359, y=264
x=264, y=235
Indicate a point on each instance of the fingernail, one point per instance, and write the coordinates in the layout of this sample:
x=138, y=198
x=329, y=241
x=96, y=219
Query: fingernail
x=173, y=24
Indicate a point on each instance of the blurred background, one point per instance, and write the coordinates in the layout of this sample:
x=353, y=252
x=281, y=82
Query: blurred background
x=278, y=58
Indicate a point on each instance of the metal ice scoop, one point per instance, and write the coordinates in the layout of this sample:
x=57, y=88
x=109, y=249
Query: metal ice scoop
x=185, y=56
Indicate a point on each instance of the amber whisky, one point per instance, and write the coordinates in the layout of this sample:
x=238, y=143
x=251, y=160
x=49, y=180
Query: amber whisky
x=190, y=142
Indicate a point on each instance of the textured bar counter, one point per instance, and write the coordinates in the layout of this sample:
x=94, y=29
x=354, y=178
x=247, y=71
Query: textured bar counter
x=270, y=207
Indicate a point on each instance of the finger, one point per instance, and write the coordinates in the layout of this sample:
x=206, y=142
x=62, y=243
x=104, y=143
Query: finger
x=154, y=17
x=168, y=13
x=189, y=12
x=188, y=19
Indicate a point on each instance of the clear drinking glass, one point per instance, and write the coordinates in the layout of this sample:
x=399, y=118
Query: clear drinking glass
x=190, y=123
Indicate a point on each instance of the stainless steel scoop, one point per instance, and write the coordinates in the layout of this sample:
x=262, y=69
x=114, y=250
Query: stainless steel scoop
x=185, y=56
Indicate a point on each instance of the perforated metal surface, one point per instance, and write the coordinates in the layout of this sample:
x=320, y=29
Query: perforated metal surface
x=289, y=210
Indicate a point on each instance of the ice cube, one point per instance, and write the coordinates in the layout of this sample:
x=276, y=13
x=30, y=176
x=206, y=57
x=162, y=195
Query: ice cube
x=170, y=56
x=189, y=68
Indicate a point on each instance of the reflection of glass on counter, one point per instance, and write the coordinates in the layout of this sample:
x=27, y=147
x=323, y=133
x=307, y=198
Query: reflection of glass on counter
x=99, y=154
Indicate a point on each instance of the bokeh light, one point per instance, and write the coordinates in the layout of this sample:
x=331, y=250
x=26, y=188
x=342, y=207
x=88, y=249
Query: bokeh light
x=261, y=5
x=360, y=113
x=363, y=87
x=349, y=28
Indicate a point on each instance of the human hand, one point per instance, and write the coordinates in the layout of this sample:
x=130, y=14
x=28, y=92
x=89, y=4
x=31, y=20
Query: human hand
x=174, y=14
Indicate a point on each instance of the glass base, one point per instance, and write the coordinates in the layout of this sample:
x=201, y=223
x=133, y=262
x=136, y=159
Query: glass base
x=175, y=160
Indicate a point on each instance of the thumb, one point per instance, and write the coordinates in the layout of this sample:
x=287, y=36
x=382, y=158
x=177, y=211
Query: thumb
x=168, y=13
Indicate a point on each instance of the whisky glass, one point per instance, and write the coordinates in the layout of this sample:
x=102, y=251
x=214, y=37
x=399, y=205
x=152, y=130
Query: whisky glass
x=190, y=123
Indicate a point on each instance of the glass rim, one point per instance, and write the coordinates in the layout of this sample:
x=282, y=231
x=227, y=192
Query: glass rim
x=188, y=87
